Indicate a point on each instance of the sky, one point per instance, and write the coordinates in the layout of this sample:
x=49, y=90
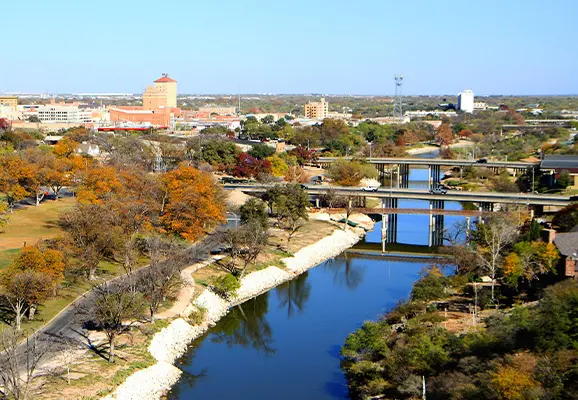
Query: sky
x=300, y=46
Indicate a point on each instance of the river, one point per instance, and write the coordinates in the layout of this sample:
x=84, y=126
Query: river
x=285, y=343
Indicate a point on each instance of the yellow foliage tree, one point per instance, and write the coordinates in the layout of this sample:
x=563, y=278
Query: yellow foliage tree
x=513, y=383
x=278, y=166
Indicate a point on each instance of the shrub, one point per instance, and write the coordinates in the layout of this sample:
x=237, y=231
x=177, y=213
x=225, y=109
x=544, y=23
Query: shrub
x=226, y=286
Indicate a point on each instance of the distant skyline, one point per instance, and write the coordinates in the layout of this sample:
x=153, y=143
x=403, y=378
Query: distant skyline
x=326, y=46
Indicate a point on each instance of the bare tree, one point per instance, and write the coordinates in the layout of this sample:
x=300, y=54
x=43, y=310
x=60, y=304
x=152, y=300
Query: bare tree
x=162, y=276
x=244, y=243
x=115, y=308
x=493, y=237
x=18, y=362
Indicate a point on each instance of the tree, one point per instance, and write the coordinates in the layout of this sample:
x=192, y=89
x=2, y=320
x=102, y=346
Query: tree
x=261, y=151
x=65, y=147
x=350, y=173
x=492, y=239
x=98, y=185
x=218, y=153
x=514, y=384
x=23, y=289
x=19, y=360
x=253, y=211
x=445, y=135
x=278, y=166
x=303, y=155
x=564, y=179
x=244, y=243
x=93, y=233
x=114, y=305
x=16, y=176
x=290, y=202
x=465, y=133
x=567, y=218
x=47, y=261
x=529, y=260
x=160, y=279
x=251, y=167
x=296, y=174
x=194, y=203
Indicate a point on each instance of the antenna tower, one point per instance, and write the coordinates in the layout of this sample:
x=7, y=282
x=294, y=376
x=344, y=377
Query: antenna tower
x=397, y=100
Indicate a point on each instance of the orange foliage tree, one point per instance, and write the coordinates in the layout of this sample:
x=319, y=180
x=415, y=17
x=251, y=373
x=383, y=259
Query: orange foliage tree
x=98, y=184
x=193, y=204
x=65, y=147
x=445, y=135
x=513, y=383
x=16, y=176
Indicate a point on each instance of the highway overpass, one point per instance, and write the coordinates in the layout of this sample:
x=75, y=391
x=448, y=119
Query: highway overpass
x=427, y=162
x=420, y=194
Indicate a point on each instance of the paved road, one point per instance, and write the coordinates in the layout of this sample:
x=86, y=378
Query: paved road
x=434, y=161
x=68, y=326
x=420, y=194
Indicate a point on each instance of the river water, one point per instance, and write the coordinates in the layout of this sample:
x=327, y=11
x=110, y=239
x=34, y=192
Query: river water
x=285, y=343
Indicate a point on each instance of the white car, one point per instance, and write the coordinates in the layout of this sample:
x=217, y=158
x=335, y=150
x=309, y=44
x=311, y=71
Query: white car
x=370, y=188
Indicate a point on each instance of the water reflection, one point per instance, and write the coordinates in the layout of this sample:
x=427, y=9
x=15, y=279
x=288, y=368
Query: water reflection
x=294, y=294
x=345, y=272
x=246, y=326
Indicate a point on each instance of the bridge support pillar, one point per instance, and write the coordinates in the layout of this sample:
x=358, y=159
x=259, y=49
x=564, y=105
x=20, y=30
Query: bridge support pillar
x=317, y=202
x=436, y=224
x=389, y=222
x=433, y=175
x=403, y=176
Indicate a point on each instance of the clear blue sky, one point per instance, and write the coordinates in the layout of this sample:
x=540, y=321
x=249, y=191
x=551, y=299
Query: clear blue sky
x=298, y=46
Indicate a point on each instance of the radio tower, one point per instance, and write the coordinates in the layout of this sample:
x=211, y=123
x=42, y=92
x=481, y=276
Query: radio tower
x=397, y=101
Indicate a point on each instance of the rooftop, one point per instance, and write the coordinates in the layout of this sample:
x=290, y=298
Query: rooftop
x=165, y=78
x=567, y=243
x=559, y=161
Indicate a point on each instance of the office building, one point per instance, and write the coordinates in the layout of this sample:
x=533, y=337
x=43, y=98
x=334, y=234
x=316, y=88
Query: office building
x=66, y=114
x=317, y=109
x=163, y=93
x=466, y=101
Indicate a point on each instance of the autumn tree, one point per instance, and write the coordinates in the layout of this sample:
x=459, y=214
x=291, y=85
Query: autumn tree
x=567, y=218
x=278, y=166
x=445, y=136
x=194, y=203
x=296, y=174
x=250, y=167
x=65, y=147
x=529, y=260
x=465, y=133
x=16, y=176
x=99, y=184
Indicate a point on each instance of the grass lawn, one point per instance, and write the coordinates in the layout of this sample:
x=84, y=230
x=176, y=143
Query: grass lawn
x=30, y=224
x=66, y=295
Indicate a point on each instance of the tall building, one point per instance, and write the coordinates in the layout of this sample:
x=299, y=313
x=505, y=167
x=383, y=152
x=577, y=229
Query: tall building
x=466, y=101
x=64, y=114
x=163, y=93
x=317, y=109
x=9, y=101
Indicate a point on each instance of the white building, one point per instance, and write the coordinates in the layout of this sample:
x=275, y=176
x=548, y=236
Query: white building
x=480, y=105
x=69, y=114
x=466, y=101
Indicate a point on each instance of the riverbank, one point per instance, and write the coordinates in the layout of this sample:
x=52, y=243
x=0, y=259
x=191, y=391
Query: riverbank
x=428, y=149
x=172, y=342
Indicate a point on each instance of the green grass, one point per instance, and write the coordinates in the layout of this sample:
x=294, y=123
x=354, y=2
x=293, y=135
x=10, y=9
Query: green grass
x=31, y=224
x=6, y=257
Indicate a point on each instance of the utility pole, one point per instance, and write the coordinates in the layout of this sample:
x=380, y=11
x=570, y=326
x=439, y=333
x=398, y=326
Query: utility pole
x=397, y=101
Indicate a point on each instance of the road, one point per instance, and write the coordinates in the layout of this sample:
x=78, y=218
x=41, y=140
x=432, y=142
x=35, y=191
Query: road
x=420, y=194
x=68, y=327
x=435, y=161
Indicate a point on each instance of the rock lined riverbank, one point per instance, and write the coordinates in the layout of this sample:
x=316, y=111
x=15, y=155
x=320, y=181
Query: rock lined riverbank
x=172, y=342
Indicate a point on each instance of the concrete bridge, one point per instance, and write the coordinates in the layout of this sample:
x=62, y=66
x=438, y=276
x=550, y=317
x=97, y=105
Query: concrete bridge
x=389, y=204
x=433, y=165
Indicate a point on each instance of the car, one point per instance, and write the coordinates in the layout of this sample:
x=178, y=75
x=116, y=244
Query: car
x=438, y=190
x=482, y=161
x=370, y=188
